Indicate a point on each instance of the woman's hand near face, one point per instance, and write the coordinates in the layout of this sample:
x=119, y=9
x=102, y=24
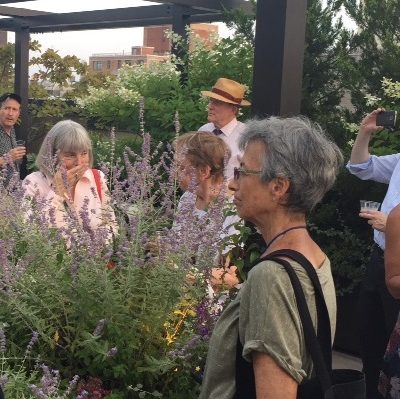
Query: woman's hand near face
x=64, y=181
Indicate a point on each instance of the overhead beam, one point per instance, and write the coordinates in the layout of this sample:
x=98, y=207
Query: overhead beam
x=20, y=12
x=13, y=1
x=104, y=19
x=211, y=5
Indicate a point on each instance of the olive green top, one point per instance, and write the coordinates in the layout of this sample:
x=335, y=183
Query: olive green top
x=269, y=322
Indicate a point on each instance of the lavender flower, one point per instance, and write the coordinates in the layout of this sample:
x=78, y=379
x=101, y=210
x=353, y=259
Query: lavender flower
x=3, y=381
x=32, y=342
x=99, y=327
x=177, y=123
x=48, y=383
x=83, y=395
x=112, y=352
x=72, y=384
x=141, y=115
x=3, y=341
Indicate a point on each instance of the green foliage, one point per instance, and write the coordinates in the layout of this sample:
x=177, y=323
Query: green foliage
x=387, y=141
x=55, y=68
x=375, y=45
x=7, y=54
x=36, y=90
x=46, y=112
x=346, y=249
x=117, y=103
x=89, y=79
x=327, y=62
x=7, y=59
x=103, y=147
x=116, y=321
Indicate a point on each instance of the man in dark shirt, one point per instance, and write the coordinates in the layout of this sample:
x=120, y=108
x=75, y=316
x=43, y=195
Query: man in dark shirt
x=10, y=152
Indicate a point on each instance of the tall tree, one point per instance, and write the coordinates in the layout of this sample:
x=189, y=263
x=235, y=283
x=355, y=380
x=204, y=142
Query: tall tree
x=376, y=44
x=7, y=67
x=57, y=69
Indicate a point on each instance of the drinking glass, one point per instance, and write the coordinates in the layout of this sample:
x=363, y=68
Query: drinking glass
x=369, y=205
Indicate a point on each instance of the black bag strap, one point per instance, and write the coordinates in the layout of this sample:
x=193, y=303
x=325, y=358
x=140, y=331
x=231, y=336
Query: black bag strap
x=319, y=347
x=323, y=325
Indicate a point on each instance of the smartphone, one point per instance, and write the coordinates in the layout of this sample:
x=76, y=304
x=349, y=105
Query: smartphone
x=387, y=119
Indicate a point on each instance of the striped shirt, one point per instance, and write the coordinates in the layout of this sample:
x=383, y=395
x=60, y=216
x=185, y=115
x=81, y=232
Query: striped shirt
x=7, y=143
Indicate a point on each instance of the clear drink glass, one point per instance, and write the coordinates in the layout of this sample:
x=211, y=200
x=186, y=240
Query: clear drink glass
x=369, y=205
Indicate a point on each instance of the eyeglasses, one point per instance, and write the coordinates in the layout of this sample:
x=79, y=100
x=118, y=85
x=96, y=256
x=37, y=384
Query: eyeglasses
x=237, y=172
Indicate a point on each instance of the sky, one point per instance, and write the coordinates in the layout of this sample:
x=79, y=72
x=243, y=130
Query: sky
x=84, y=43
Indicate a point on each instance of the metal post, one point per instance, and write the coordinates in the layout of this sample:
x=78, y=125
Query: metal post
x=179, y=22
x=278, y=58
x=22, y=84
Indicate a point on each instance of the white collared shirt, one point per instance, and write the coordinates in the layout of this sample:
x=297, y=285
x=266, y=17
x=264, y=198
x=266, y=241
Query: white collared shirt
x=231, y=133
x=384, y=169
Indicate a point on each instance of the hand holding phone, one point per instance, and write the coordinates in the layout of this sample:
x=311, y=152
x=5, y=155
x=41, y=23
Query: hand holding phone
x=387, y=119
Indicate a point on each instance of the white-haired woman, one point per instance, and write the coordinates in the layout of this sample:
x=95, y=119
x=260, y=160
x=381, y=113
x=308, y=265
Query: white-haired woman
x=66, y=187
x=287, y=166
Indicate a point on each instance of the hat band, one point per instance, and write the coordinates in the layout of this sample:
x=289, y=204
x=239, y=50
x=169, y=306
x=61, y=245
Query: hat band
x=226, y=95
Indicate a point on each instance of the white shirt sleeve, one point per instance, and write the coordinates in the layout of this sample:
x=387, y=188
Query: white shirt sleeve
x=379, y=169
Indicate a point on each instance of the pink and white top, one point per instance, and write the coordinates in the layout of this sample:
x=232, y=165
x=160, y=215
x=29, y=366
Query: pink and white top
x=86, y=203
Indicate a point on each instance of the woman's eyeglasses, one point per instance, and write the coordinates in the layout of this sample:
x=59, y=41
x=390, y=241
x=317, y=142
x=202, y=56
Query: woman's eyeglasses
x=237, y=172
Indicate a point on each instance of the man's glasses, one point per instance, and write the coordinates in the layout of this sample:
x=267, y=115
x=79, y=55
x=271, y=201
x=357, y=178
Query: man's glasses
x=237, y=172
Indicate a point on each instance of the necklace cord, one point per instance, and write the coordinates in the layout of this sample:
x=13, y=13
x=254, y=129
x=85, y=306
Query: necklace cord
x=284, y=232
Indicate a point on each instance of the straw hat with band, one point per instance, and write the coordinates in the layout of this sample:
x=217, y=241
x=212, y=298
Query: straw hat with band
x=228, y=91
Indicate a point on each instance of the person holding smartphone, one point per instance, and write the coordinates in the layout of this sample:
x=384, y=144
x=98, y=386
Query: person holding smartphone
x=378, y=310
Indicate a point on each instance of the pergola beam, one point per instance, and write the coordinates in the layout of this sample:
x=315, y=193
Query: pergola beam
x=20, y=12
x=211, y=5
x=102, y=19
x=12, y=1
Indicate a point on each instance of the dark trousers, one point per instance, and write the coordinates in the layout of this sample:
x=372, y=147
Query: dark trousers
x=377, y=312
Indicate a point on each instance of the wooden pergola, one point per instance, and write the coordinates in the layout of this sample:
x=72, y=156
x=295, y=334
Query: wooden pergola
x=279, y=44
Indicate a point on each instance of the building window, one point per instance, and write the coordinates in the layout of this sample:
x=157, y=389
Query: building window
x=97, y=65
x=108, y=64
x=119, y=64
x=128, y=62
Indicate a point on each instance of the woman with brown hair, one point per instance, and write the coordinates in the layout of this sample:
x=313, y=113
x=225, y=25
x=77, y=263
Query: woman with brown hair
x=200, y=160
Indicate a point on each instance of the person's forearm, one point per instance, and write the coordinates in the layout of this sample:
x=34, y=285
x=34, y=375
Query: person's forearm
x=393, y=285
x=272, y=382
x=360, y=152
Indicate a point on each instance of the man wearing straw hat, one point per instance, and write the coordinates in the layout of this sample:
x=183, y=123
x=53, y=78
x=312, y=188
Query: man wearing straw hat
x=226, y=97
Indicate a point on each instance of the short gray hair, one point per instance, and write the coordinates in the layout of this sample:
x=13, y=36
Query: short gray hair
x=299, y=150
x=64, y=136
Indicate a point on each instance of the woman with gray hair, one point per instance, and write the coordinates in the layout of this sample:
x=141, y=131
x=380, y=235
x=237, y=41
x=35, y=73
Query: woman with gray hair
x=66, y=185
x=287, y=166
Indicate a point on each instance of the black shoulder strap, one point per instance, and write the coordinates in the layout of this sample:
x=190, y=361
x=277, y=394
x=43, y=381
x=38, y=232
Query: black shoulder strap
x=320, y=348
x=323, y=325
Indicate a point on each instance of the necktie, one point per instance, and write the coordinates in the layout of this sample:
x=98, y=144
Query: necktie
x=218, y=132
